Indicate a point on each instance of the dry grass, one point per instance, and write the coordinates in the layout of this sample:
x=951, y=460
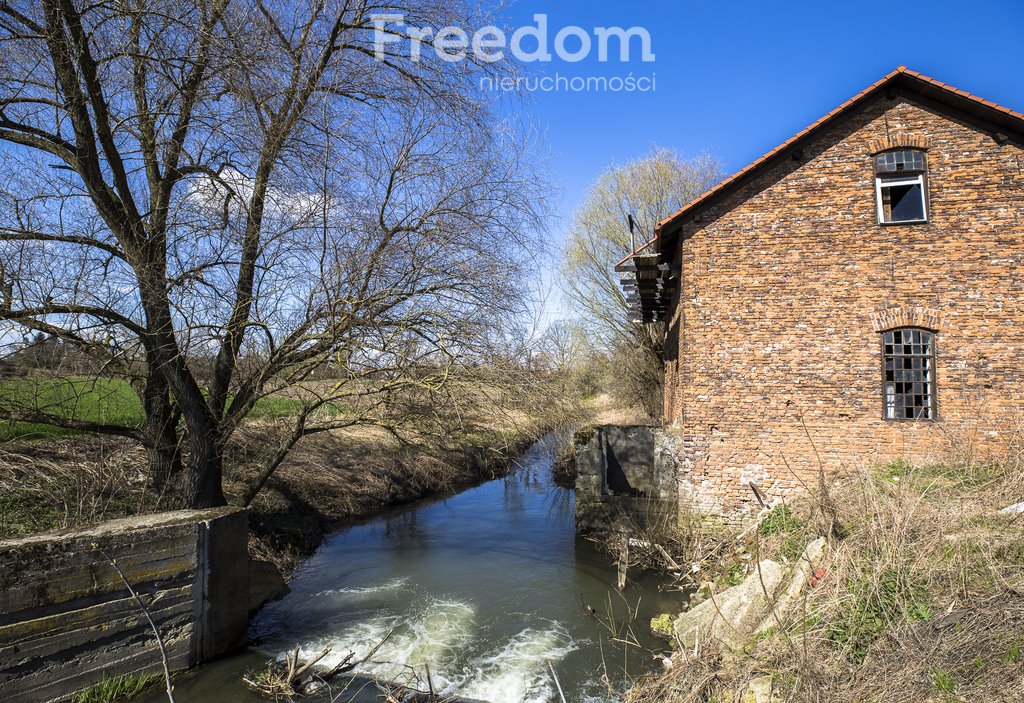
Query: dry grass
x=922, y=597
x=337, y=478
x=606, y=411
x=329, y=480
x=342, y=477
x=69, y=482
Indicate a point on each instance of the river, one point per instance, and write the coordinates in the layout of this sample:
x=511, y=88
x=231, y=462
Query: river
x=485, y=587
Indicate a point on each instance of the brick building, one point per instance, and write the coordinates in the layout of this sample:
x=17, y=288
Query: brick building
x=855, y=295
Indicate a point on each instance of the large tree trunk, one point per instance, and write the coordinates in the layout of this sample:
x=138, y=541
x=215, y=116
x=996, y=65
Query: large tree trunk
x=205, y=469
x=164, y=461
x=170, y=372
x=161, y=432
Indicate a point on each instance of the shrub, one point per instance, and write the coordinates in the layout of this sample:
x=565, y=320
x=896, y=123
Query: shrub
x=779, y=520
x=944, y=681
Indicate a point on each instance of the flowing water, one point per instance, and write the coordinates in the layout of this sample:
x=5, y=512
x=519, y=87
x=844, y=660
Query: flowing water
x=484, y=588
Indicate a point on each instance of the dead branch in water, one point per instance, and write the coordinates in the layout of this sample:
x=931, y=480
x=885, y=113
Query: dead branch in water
x=623, y=565
x=558, y=685
x=292, y=677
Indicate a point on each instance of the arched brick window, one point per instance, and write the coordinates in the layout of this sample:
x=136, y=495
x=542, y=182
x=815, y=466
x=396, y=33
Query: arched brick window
x=908, y=374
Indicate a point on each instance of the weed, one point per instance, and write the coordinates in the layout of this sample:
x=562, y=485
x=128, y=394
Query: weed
x=25, y=514
x=734, y=574
x=1015, y=653
x=943, y=681
x=918, y=536
x=874, y=604
x=897, y=469
x=781, y=523
x=779, y=520
x=792, y=547
x=113, y=689
x=1014, y=553
x=784, y=681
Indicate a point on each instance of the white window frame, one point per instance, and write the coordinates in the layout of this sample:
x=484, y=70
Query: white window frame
x=909, y=180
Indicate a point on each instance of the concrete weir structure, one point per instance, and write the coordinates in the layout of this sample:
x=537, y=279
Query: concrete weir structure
x=67, y=618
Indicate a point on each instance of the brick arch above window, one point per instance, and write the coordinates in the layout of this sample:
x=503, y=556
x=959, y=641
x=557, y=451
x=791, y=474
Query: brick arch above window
x=898, y=141
x=907, y=316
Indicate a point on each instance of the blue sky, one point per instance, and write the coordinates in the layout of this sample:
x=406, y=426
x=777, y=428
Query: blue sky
x=735, y=78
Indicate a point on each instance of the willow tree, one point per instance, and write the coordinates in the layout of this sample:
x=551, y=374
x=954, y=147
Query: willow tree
x=648, y=190
x=219, y=201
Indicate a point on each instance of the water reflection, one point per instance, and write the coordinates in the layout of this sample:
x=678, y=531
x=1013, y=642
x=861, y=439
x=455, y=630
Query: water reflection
x=512, y=497
x=403, y=531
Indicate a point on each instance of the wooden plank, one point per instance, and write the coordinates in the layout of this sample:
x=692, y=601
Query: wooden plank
x=648, y=293
x=648, y=283
x=662, y=265
x=650, y=274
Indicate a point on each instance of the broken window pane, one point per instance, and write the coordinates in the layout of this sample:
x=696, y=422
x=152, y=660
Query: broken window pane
x=908, y=388
x=900, y=186
x=897, y=161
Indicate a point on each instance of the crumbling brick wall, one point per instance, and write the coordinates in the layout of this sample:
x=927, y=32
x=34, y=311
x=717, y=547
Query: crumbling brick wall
x=774, y=363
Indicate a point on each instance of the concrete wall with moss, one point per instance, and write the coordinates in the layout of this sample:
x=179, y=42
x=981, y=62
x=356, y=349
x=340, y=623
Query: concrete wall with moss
x=625, y=474
x=67, y=619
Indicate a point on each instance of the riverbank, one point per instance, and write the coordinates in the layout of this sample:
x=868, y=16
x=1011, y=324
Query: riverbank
x=345, y=478
x=917, y=595
x=482, y=595
x=329, y=481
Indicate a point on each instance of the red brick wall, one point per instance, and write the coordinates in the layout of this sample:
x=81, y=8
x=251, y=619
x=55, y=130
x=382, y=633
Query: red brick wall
x=773, y=356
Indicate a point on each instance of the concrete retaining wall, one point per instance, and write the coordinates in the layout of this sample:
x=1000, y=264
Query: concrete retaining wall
x=624, y=472
x=67, y=619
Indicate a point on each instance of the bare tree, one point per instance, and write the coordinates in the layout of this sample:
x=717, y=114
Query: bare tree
x=220, y=202
x=562, y=346
x=648, y=190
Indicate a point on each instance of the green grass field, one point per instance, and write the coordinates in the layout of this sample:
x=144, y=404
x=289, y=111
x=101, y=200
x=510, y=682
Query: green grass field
x=102, y=400
x=107, y=401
